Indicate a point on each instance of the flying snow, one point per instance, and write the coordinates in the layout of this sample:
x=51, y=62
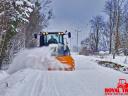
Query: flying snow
x=38, y=58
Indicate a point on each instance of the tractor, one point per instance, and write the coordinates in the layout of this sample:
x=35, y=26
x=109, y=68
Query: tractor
x=59, y=48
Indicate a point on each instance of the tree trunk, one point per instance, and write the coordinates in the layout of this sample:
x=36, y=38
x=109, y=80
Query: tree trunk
x=110, y=46
x=110, y=43
x=97, y=39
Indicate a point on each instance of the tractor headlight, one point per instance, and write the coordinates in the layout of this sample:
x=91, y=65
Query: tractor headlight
x=62, y=33
x=46, y=33
x=43, y=33
x=59, y=33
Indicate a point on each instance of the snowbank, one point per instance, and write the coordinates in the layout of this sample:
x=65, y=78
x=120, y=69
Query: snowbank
x=108, y=61
x=38, y=58
x=3, y=75
x=122, y=60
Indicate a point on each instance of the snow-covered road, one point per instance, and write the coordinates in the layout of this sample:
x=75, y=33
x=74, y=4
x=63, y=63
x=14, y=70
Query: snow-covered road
x=88, y=79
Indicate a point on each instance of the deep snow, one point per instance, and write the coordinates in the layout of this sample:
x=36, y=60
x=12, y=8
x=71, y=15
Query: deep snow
x=88, y=79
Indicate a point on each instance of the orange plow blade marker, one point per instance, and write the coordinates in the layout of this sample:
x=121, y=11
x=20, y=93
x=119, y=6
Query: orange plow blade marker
x=68, y=60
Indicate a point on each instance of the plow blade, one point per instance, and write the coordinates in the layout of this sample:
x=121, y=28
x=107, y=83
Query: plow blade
x=68, y=61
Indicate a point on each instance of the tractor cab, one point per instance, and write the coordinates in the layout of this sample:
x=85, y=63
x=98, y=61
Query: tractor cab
x=55, y=40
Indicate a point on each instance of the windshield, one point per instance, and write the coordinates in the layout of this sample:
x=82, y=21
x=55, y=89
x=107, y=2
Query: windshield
x=53, y=39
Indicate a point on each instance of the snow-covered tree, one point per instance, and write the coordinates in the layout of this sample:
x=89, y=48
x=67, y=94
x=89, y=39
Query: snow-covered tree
x=39, y=18
x=14, y=14
x=27, y=19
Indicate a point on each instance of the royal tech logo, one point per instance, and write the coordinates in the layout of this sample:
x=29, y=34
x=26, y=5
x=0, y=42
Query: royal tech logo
x=120, y=90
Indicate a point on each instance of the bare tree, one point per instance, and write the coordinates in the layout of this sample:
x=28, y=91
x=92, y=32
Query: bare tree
x=118, y=8
x=97, y=24
x=109, y=10
x=124, y=29
x=114, y=9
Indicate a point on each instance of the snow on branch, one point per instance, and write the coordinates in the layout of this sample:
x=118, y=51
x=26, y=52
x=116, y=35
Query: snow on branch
x=2, y=13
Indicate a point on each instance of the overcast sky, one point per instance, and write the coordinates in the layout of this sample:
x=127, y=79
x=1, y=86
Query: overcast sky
x=74, y=14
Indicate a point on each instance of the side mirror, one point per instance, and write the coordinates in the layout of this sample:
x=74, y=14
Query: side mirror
x=35, y=36
x=69, y=34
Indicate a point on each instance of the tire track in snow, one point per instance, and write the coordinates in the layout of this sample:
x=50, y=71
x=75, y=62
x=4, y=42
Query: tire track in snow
x=50, y=87
x=23, y=89
x=38, y=86
x=43, y=84
x=69, y=85
x=55, y=87
x=30, y=86
x=45, y=88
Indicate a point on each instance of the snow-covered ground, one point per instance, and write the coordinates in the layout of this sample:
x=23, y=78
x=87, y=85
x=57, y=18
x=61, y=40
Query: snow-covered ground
x=3, y=75
x=89, y=79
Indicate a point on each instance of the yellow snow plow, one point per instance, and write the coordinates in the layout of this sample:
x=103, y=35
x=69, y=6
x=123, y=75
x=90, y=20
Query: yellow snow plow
x=59, y=48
